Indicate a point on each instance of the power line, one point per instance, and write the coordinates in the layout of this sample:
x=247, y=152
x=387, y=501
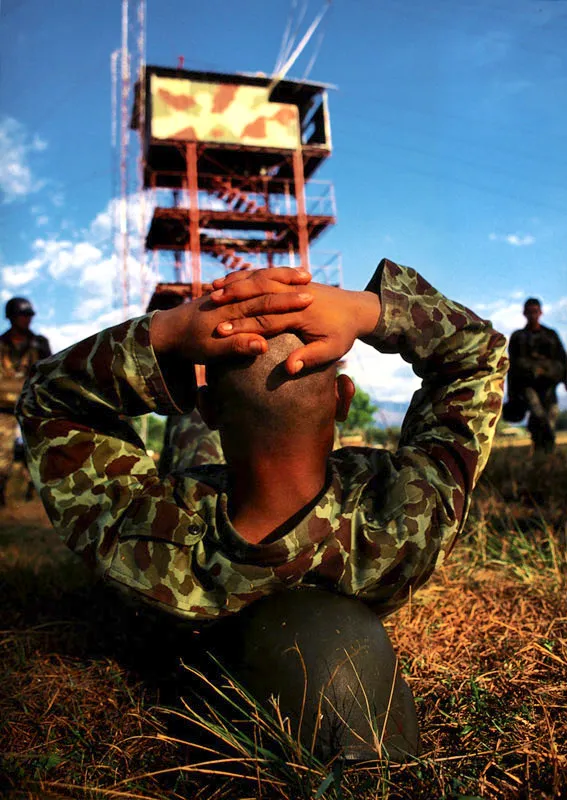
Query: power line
x=435, y=16
x=440, y=176
x=511, y=152
x=467, y=162
x=446, y=115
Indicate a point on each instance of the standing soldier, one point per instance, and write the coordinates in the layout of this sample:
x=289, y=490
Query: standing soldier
x=537, y=365
x=20, y=348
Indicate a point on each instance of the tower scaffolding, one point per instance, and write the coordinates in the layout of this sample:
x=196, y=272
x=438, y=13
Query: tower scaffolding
x=124, y=232
x=140, y=192
x=229, y=159
x=229, y=183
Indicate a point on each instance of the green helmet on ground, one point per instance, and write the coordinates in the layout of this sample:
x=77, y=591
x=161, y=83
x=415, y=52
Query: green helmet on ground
x=329, y=661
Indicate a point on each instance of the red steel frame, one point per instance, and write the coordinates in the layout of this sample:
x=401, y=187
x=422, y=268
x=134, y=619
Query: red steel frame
x=302, y=231
x=194, y=241
x=245, y=225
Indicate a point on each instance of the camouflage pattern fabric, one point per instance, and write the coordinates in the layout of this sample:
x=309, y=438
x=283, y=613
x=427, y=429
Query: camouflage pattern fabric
x=221, y=112
x=188, y=442
x=8, y=433
x=385, y=521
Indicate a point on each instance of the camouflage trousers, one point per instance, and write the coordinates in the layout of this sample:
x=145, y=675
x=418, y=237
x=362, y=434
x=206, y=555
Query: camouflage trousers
x=8, y=432
x=544, y=411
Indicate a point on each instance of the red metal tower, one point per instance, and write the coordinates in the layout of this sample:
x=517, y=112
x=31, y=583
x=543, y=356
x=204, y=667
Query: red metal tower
x=229, y=159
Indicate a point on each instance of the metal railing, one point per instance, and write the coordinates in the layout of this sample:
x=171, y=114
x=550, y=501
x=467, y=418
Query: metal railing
x=325, y=265
x=262, y=195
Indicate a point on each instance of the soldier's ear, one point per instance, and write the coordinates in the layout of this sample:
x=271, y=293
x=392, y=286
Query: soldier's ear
x=207, y=408
x=344, y=392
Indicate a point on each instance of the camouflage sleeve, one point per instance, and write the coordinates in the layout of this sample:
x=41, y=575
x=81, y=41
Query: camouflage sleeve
x=91, y=469
x=446, y=435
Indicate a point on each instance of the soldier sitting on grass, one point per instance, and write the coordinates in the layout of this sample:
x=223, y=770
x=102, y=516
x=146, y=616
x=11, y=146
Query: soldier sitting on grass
x=284, y=512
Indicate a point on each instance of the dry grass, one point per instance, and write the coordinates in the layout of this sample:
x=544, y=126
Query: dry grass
x=484, y=647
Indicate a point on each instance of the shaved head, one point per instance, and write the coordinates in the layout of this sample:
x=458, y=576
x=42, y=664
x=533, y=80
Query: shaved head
x=257, y=394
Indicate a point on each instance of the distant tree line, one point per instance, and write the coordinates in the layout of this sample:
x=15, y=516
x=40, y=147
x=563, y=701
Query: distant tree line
x=151, y=429
x=361, y=421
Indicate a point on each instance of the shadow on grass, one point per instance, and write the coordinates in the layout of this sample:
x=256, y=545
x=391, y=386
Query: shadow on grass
x=60, y=609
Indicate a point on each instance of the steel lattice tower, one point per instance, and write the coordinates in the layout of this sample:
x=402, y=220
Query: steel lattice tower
x=229, y=160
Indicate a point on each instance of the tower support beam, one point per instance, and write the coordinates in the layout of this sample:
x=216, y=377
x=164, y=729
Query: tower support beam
x=193, y=191
x=303, y=234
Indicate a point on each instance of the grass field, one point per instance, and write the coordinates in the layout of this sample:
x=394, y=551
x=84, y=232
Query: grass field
x=85, y=678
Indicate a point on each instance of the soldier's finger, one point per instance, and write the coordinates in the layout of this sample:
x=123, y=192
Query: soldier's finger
x=269, y=304
x=244, y=344
x=288, y=275
x=226, y=280
x=268, y=324
x=258, y=282
x=314, y=354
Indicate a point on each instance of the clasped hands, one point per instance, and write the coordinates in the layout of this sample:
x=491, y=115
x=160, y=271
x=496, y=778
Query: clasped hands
x=247, y=307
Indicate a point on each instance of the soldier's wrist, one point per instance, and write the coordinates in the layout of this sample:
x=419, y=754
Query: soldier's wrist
x=167, y=330
x=367, y=308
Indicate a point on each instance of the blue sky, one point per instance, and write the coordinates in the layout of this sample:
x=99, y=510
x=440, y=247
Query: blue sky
x=449, y=127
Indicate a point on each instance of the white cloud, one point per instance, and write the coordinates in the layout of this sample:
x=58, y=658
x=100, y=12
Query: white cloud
x=57, y=198
x=38, y=144
x=63, y=257
x=22, y=274
x=520, y=241
x=514, y=239
x=507, y=318
x=506, y=313
x=139, y=211
x=62, y=336
x=91, y=272
x=55, y=258
x=42, y=220
x=384, y=377
x=16, y=146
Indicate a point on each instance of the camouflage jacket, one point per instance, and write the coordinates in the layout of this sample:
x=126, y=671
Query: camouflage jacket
x=15, y=364
x=383, y=524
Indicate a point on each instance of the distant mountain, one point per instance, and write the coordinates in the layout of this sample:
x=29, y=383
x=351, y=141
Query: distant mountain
x=390, y=414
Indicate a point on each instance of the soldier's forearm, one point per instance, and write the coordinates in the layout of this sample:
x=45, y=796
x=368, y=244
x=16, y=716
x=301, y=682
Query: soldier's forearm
x=112, y=373
x=462, y=361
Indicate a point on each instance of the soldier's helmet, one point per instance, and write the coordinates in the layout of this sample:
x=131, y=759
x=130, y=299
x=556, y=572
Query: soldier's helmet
x=329, y=661
x=17, y=306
